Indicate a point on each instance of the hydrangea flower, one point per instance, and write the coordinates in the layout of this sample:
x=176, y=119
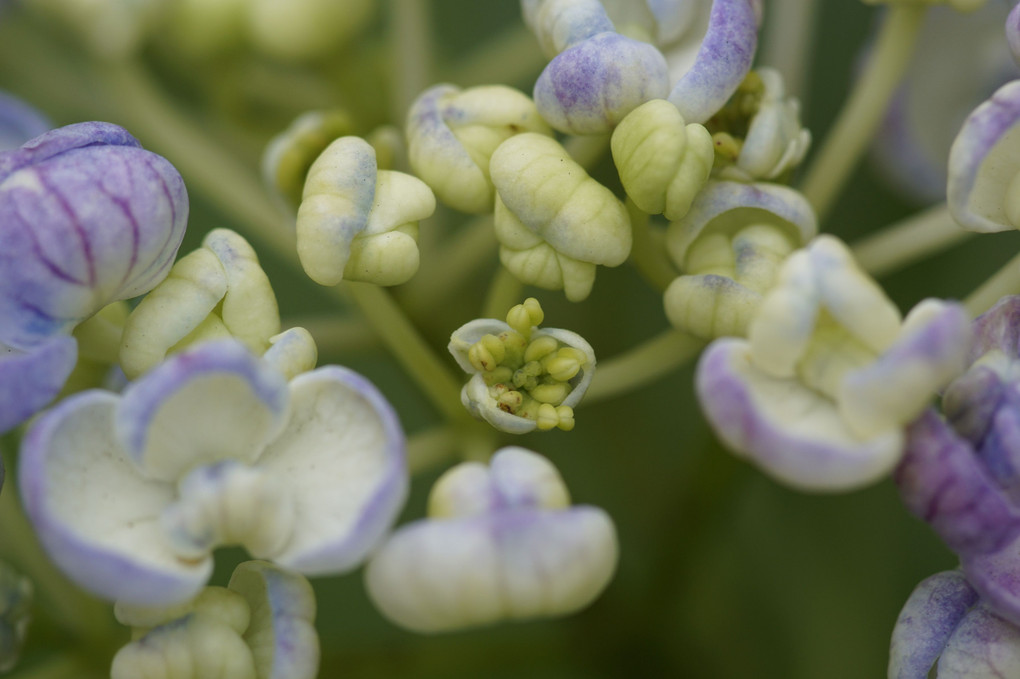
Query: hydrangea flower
x=261, y=625
x=522, y=377
x=820, y=392
x=730, y=247
x=500, y=542
x=960, y=473
x=944, y=620
x=357, y=222
x=89, y=218
x=130, y=493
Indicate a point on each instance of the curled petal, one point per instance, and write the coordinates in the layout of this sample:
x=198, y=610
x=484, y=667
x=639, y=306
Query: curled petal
x=592, y=86
x=193, y=647
x=30, y=379
x=931, y=616
x=983, y=645
x=558, y=24
x=290, y=154
x=89, y=218
x=794, y=433
x=292, y=352
x=722, y=62
x=710, y=306
x=984, y=163
x=452, y=134
x=662, y=162
x=997, y=335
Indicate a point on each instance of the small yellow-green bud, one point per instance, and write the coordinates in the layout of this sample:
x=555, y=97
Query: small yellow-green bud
x=540, y=348
x=510, y=401
x=727, y=147
x=566, y=415
x=553, y=393
x=502, y=374
x=527, y=375
x=523, y=317
x=487, y=353
x=547, y=417
x=514, y=345
x=562, y=368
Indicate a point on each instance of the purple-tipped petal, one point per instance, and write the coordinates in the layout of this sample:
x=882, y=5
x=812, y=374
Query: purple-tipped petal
x=96, y=516
x=792, y=432
x=592, y=86
x=342, y=456
x=942, y=482
x=722, y=63
x=89, y=218
x=30, y=379
x=19, y=122
x=218, y=384
x=931, y=615
x=984, y=646
x=983, y=162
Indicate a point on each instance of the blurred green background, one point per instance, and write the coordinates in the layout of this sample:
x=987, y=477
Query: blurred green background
x=723, y=573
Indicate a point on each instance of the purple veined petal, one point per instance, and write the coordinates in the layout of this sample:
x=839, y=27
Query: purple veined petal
x=559, y=24
x=281, y=633
x=942, y=482
x=213, y=402
x=959, y=60
x=793, y=433
x=727, y=206
x=982, y=646
x=19, y=122
x=342, y=456
x=931, y=615
x=95, y=515
x=591, y=86
x=30, y=379
x=998, y=329
x=441, y=575
x=983, y=161
x=86, y=222
x=722, y=62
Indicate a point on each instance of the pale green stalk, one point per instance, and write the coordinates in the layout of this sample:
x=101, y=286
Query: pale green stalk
x=863, y=111
x=336, y=334
x=642, y=365
x=505, y=291
x=411, y=44
x=789, y=37
x=908, y=241
x=1006, y=281
x=648, y=253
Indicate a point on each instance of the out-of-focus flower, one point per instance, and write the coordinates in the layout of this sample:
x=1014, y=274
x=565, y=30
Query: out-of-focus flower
x=357, y=222
x=500, y=543
x=959, y=60
x=944, y=620
x=960, y=474
x=290, y=154
x=451, y=134
x=554, y=222
x=15, y=614
x=820, y=392
x=522, y=377
x=131, y=493
x=19, y=122
x=758, y=135
x=217, y=291
x=663, y=163
x=89, y=218
x=112, y=29
x=984, y=165
x=261, y=626
x=730, y=247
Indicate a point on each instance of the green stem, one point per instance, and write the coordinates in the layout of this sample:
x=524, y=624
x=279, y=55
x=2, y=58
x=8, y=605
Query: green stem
x=648, y=252
x=61, y=667
x=644, y=364
x=410, y=40
x=504, y=292
x=336, y=335
x=788, y=39
x=909, y=241
x=863, y=111
x=1006, y=281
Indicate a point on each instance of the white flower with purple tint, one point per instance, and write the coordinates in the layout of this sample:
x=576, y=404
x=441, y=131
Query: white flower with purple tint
x=960, y=473
x=947, y=627
x=500, y=543
x=983, y=192
x=131, y=493
x=820, y=392
x=87, y=217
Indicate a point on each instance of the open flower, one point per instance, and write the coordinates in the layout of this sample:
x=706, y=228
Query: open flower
x=451, y=134
x=501, y=543
x=960, y=473
x=730, y=247
x=217, y=291
x=553, y=221
x=522, y=377
x=944, y=620
x=820, y=392
x=261, y=625
x=357, y=222
x=89, y=218
x=131, y=493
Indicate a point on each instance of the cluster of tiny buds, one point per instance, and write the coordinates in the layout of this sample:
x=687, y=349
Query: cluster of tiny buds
x=528, y=377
